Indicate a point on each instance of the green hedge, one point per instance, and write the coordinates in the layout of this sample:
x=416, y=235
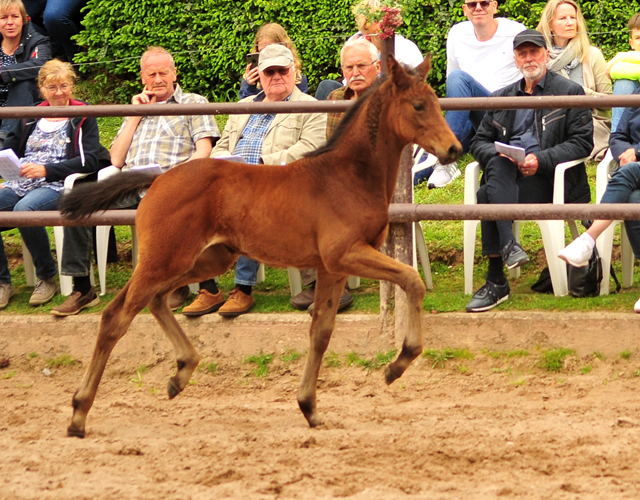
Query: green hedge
x=209, y=38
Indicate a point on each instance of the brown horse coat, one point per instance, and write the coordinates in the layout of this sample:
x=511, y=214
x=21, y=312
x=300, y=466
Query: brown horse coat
x=328, y=211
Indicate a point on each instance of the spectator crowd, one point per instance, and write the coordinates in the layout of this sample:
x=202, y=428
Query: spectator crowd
x=487, y=55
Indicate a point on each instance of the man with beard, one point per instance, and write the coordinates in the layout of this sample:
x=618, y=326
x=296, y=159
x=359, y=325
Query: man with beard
x=548, y=137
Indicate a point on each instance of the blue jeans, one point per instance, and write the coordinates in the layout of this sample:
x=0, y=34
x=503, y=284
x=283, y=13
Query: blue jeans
x=247, y=271
x=35, y=238
x=61, y=19
x=325, y=87
x=464, y=123
x=624, y=187
x=621, y=87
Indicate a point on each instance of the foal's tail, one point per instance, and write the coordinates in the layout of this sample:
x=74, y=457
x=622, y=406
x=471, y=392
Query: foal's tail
x=91, y=197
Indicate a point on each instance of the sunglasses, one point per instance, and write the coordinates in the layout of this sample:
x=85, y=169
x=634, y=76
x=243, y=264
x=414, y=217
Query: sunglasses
x=281, y=71
x=474, y=5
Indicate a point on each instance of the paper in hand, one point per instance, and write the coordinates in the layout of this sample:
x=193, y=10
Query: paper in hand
x=514, y=152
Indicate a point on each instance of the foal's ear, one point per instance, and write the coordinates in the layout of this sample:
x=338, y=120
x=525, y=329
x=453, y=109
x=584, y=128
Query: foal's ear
x=397, y=73
x=424, y=67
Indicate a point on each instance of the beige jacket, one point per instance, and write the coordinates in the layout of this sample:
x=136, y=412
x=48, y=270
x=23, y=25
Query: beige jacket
x=596, y=82
x=290, y=135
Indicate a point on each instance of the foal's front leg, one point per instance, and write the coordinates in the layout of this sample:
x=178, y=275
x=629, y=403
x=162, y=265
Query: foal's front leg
x=363, y=260
x=329, y=288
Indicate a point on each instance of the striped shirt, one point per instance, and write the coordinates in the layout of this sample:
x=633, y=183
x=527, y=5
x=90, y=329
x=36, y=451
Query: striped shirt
x=169, y=140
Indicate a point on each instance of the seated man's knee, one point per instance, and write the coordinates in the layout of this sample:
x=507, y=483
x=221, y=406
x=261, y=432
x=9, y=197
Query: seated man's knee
x=634, y=197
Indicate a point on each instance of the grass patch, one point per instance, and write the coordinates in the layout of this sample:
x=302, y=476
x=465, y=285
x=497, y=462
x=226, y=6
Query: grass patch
x=7, y=376
x=585, y=369
x=626, y=355
x=332, y=360
x=262, y=362
x=290, y=356
x=379, y=360
x=552, y=360
x=62, y=360
x=210, y=368
x=440, y=357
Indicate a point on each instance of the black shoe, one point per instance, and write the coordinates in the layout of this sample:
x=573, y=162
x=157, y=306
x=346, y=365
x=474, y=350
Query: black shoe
x=513, y=255
x=488, y=297
x=345, y=301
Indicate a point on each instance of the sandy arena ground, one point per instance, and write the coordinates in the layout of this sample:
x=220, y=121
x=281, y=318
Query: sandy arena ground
x=477, y=428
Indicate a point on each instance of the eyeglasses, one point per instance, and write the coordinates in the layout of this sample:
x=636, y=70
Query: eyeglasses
x=54, y=88
x=281, y=71
x=361, y=67
x=474, y=5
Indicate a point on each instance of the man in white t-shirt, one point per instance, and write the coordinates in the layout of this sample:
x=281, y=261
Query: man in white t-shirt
x=479, y=62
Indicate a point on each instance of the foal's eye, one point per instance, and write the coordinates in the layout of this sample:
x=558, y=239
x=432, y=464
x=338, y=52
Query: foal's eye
x=418, y=106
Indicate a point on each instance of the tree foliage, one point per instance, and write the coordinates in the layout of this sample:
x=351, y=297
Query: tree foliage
x=209, y=38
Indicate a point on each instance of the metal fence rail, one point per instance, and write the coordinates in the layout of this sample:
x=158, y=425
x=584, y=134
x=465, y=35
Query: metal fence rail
x=398, y=212
x=235, y=108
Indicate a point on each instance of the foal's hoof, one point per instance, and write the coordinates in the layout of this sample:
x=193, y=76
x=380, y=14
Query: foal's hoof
x=173, y=389
x=73, y=432
x=389, y=376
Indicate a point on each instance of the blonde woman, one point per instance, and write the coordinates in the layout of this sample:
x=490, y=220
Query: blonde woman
x=573, y=56
x=266, y=35
x=49, y=150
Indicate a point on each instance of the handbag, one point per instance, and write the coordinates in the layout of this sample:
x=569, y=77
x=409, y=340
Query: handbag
x=585, y=281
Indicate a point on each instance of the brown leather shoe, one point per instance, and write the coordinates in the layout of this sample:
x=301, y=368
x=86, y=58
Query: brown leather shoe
x=76, y=303
x=304, y=299
x=205, y=303
x=237, y=304
x=178, y=297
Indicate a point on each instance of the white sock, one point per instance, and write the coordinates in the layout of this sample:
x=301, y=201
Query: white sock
x=589, y=241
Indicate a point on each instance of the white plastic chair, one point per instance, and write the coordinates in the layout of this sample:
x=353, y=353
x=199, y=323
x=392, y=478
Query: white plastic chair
x=102, y=237
x=66, y=282
x=552, y=231
x=605, y=240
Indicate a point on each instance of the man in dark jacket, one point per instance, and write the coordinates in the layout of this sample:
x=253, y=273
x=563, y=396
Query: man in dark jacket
x=548, y=137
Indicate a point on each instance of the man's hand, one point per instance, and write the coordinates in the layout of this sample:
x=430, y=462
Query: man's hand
x=33, y=171
x=145, y=97
x=529, y=166
x=627, y=157
x=251, y=75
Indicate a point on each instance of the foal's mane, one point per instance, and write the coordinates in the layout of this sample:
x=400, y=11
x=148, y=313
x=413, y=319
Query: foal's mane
x=346, y=120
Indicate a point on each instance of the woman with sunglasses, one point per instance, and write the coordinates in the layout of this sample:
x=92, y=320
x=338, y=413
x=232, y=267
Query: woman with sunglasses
x=573, y=56
x=266, y=35
x=49, y=150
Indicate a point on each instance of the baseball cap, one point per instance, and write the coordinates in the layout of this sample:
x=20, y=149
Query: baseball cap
x=529, y=36
x=274, y=55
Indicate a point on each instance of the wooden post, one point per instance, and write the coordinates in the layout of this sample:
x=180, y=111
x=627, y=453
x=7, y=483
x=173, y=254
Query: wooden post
x=399, y=244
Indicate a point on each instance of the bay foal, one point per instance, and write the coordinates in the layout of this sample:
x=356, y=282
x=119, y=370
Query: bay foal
x=328, y=211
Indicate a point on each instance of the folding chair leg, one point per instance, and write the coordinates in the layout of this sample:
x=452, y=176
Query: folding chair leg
x=421, y=248
x=470, y=228
x=295, y=281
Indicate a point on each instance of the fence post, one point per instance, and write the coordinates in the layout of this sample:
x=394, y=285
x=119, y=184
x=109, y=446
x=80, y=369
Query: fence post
x=399, y=243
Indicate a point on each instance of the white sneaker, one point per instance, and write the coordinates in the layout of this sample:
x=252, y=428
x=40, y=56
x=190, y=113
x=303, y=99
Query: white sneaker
x=430, y=161
x=636, y=307
x=578, y=252
x=443, y=175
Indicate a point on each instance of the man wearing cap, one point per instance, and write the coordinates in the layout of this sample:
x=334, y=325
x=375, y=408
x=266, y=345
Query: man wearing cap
x=479, y=61
x=270, y=139
x=548, y=137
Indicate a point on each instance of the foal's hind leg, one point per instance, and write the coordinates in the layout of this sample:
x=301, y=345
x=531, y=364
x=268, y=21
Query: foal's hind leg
x=116, y=318
x=187, y=357
x=214, y=261
x=329, y=288
x=367, y=262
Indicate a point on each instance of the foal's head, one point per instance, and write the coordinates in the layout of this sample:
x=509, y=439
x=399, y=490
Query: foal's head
x=416, y=114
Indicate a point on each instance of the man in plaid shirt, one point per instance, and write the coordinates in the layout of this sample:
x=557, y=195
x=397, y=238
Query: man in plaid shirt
x=142, y=141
